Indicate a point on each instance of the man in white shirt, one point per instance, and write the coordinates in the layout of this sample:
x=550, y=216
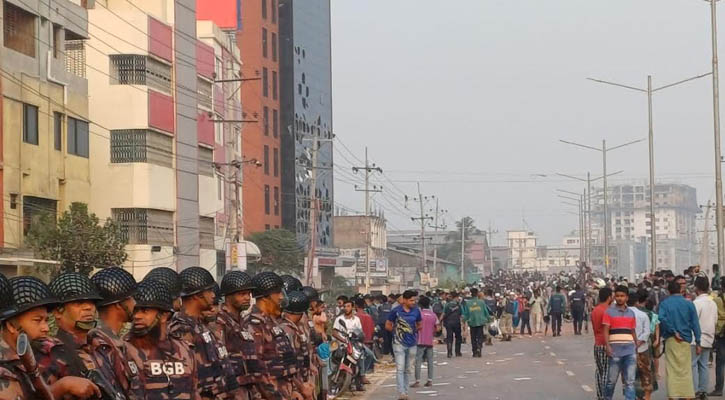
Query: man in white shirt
x=352, y=322
x=707, y=315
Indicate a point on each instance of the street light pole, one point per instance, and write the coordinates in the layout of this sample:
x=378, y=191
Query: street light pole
x=650, y=91
x=716, y=124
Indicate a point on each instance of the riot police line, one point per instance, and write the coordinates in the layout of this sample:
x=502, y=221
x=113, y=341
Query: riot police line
x=183, y=343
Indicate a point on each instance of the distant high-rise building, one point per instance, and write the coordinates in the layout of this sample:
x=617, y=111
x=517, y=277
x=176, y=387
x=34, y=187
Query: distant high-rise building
x=306, y=116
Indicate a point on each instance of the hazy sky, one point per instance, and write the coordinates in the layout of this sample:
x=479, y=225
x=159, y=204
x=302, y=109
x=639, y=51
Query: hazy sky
x=470, y=97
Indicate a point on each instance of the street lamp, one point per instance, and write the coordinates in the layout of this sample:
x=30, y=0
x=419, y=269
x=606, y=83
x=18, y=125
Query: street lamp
x=650, y=91
x=604, y=151
x=588, y=238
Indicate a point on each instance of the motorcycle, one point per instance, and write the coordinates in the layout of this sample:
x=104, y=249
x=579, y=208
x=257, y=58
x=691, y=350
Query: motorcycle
x=345, y=357
x=378, y=341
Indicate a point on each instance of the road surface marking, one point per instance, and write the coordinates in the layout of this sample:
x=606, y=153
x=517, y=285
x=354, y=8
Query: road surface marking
x=519, y=354
x=472, y=372
x=427, y=392
x=522, y=379
x=560, y=362
x=587, y=388
x=391, y=385
x=500, y=360
x=442, y=363
x=547, y=347
x=440, y=384
x=570, y=373
x=552, y=354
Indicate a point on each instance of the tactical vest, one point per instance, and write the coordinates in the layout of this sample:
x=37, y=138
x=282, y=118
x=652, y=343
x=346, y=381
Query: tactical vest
x=168, y=376
x=242, y=352
x=277, y=351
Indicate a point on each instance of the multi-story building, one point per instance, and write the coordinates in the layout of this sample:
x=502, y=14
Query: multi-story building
x=45, y=124
x=351, y=237
x=629, y=221
x=522, y=249
x=256, y=26
x=150, y=157
x=306, y=117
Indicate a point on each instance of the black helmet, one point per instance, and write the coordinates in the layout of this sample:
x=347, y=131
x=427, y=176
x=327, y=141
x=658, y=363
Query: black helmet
x=152, y=293
x=168, y=277
x=236, y=281
x=266, y=283
x=311, y=293
x=195, y=280
x=114, y=284
x=6, y=297
x=298, y=303
x=291, y=283
x=29, y=292
x=217, y=294
x=72, y=286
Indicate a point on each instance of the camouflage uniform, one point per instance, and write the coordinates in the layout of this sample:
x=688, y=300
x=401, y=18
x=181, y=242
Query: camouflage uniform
x=56, y=360
x=240, y=345
x=276, y=353
x=167, y=371
x=109, y=350
x=15, y=384
x=214, y=369
x=300, y=343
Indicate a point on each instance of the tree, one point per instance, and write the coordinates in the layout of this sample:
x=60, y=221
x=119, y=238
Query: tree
x=280, y=252
x=77, y=240
x=451, y=249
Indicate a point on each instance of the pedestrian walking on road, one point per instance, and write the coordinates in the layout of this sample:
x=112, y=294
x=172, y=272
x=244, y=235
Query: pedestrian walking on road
x=451, y=318
x=404, y=322
x=707, y=317
x=524, y=311
x=557, y=306
x=679, y=325
x=600, y=344
x=644, y=331
x=720, y=342
x=428, y=327
x=537, y=311
x=507, y=317
x=621, y=338
x=577, y=304
x=476, y=316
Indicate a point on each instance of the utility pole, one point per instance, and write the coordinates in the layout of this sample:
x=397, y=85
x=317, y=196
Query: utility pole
x=463, y=249
x=650, y=91
x=489, y=239
x=605, y=220
x=436, y=226
x=312, y=224
x=716, y=124
x=422, y=200
x=368, y=228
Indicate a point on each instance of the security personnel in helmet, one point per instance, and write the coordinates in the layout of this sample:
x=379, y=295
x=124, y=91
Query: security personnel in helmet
x=214, y=369
x=209, y=317
x=25, y=302
x=293, y=324
x=277, y=356
x=75, y=316
x=166, y=365
x=236, y=287
x=169, y=278
x=116, y=286
x=291, y=283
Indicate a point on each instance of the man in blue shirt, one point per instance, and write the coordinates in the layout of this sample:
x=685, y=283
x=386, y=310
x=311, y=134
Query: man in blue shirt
x=404, y=321
x=679, y=324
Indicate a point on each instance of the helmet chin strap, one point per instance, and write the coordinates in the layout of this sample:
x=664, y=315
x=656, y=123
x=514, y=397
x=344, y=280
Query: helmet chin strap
x=86, y=325
x=148, y=329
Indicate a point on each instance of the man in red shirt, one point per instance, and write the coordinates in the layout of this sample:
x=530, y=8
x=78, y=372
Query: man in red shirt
x=600, y=345
x=368, y=327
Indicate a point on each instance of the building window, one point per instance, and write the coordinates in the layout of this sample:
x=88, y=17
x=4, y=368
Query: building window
x=275, y=158
x=57, y=40
x=274, y=46
x=274, y=11
x=264, y=42
x=58, y=131
x=275, y=123
x=265, y=82
x=18, y=29
x=276, y=200
x=204, y=93
x=265, y=117
x=134, y=69
x=206, y=232
x=145, y=225
x=75, y=56
x=77, y=137
x=266, y=227
x=218, y=129
x=206, y=160
x=266, y=199
x=30, y=123
x=140, y=145
x=36, y=206
x=266, y=160
x=274, y=85
x=264, y=9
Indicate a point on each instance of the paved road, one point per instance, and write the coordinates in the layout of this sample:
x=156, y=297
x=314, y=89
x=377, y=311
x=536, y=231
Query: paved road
x=545, y=368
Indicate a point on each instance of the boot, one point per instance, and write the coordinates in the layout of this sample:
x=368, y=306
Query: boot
x=489, y=341
x=450, y=349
